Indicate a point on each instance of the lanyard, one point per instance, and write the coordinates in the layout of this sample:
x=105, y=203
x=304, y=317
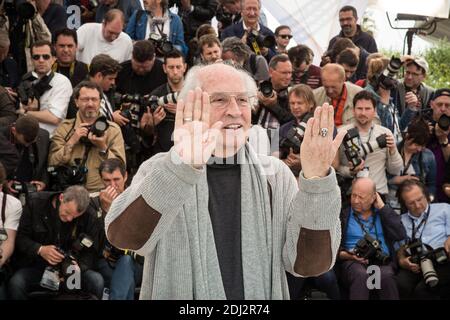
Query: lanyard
x=363, y=228
x=407, y=165
x=423, y=222
x=368, y=140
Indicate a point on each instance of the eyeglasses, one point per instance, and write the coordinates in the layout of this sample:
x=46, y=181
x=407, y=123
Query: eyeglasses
x=412, y=74
x=221, y=100
x=86, y=99
x=285, y=36
x=38, y=56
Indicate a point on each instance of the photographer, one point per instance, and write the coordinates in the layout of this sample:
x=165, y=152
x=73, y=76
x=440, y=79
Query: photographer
x=228, y=13
x=121, y=269
x=337, y=92
x=412, y=93
x=283, y=36
x=369, y=230
x=174, y=67
x=52, y=227
x=273, y=110
x=79, y=142
x=237, y=51
x=126, y=6
x=428, y=223
x=210, y=48
x=10, y=212
x=418, y=161
x=29, y=145
x=157, y=22
x=375, y=160
x=258, y=37
x=301, y=104
x=304, y=71
x=44, y=94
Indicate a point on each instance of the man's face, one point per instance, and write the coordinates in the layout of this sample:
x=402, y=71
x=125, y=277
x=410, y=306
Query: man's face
x=175, y=69
x=440, y=106
x=332, y=84
x=283, y=37
x=229, y=55
x=150, y=5
x=105, y=82
x=347, y=22
x=212, y=53
x=108, y=2
x=66, y=50
x=111, y=30
x=115, y=180
x=349, y=71
x=281, y=76
x=42, y=60
x=88, y=103
x=301, y=69
x=250, y=12
x=20, y=138
x=364, y=112
x=220, y=83
x=298, y=105
x=68, y=210
x=415, y=201
x=362, y=197
x=413, y=76
x=142, y=68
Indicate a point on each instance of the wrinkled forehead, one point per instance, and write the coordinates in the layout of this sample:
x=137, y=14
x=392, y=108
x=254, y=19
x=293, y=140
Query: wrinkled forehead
x=221, y=78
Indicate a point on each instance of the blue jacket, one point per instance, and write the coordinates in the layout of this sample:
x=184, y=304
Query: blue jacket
x=136, y=30
x=237, y=30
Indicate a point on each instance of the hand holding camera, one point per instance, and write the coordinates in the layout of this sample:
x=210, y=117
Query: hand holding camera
x=411, y=100
x=51, y=254
x=81, y=131
x=99, y=142
x=119, y=118
x=407, y=264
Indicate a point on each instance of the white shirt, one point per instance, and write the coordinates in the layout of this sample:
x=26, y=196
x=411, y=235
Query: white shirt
x=92, y=43
x=12, y=213
x=56, y=100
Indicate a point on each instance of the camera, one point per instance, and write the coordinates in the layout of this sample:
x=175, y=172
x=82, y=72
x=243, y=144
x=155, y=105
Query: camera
x=224, y=17
x=28, y=89
x=99, y=127
x=444, y=122
x=355, y=151
x=424, y=255
x=162, y=45
x=370, y=249
x=266, y=88
x=62, y=177
x=25, y=92
x=256, y=41
x=24, y=187
x=54, y=275
x=294, y=136
x=145, y=101
x=25, y=10
x=386, y=79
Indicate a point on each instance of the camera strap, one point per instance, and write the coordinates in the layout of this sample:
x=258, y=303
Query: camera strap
x=4, y=209
x=423, y=222
x=406, y=165
x=363, y=227
x=361, y=144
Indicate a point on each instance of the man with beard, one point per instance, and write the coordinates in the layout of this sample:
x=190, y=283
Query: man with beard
x=75, y=144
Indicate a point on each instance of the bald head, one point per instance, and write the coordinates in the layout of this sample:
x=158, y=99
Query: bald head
x=333, y=78
x=363, y=194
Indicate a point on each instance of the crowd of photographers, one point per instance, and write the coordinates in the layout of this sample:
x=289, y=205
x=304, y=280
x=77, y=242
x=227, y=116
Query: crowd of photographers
x=80, y=110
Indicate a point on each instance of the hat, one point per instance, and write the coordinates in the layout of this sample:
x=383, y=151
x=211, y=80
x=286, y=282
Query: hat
x=421, y=63
x=441, y=92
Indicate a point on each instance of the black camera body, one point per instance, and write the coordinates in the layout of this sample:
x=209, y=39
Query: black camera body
x=295, y=135
x=424, y=255
x=266, y=88
x=62, y=177
x=54, y=275
x=224, y=17
x=354, y=151
x=386, y=79
x=145, y=101
x=370, y=249
x=162, y=45
x=25, y=92
x=24, y=187
x=444, y=122
x=99, y=127
x=256, y=41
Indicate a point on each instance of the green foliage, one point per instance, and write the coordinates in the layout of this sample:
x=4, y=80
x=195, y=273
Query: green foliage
x=438, y=58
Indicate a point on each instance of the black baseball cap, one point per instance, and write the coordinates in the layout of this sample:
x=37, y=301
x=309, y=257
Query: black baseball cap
x=441, y=92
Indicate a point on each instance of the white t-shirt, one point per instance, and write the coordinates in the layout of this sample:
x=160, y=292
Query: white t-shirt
x=92, y=43
x=12, y=213
x=56, y=100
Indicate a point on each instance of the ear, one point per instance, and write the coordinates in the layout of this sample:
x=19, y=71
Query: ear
x=61, y=197
x=164, y=68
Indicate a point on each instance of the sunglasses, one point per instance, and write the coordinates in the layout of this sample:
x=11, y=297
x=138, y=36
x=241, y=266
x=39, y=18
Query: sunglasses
x=285, y=36
x=38, y=56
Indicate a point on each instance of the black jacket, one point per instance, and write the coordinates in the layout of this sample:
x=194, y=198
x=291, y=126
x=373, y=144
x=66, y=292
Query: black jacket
x=204, y=11
x=9, y=153
x=38, y=226
x=393, y=230
x=361, y=39
x=7, y=108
